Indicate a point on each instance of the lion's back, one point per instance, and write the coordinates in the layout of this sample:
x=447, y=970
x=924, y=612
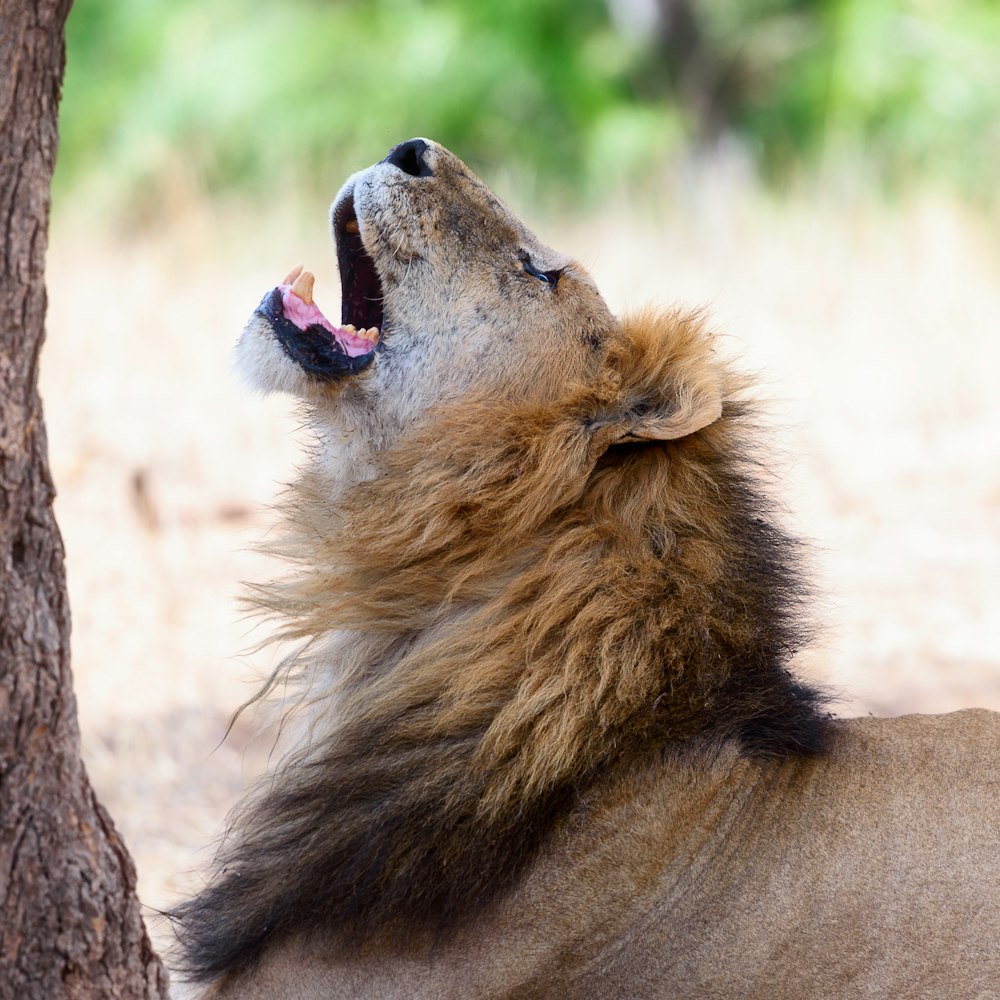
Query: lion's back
x=873, y=868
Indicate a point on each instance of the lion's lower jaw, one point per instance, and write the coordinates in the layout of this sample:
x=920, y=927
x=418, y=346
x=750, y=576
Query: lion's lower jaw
x=263, y=365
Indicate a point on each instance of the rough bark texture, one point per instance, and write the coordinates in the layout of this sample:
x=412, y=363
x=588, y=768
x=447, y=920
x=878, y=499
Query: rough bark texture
x=70, y=924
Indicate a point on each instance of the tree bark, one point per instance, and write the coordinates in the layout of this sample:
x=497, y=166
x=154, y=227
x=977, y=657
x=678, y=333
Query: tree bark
x=70, y=924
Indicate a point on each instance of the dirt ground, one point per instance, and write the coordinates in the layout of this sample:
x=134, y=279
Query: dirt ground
x=875, y=330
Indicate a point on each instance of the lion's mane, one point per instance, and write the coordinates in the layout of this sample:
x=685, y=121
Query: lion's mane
x=523, y=609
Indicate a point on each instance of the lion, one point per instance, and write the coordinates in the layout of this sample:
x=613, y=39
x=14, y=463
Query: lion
x=546, y=619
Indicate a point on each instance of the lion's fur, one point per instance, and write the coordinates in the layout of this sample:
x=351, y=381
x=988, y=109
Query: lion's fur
x=528, y=608
x=528, y=596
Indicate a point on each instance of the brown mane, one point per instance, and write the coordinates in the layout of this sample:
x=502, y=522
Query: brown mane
x=524, y=606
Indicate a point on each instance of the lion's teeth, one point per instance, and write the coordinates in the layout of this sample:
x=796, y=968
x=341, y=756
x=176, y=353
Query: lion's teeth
x=293, y=274
x=350, y=328
x=303, y=286
x=371, y=333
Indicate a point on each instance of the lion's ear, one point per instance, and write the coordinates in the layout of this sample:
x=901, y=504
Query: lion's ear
x=686, y=413
x=689, y=413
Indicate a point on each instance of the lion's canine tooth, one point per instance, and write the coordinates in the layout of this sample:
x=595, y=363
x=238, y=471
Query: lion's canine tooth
x=303, y=286
x=293, y=274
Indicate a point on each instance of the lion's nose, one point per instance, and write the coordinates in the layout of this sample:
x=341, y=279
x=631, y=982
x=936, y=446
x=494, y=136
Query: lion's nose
x=411, y=158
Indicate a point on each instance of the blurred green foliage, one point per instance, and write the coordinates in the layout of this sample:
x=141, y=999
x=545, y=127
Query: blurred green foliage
x=909, y=87
x=573, y=94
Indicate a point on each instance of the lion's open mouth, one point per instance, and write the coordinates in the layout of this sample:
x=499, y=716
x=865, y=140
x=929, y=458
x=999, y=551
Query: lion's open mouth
x=320, y=346
x=361, y=290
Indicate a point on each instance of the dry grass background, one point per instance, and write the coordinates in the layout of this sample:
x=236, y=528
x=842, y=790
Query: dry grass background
x=876, y=329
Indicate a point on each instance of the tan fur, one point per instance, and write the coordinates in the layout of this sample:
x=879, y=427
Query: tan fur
x=545, y=617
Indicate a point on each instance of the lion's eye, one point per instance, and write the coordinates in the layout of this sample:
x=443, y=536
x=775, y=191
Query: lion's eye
x=550, y=278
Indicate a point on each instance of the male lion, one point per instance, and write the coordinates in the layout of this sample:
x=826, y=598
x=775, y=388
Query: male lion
x=546, y=618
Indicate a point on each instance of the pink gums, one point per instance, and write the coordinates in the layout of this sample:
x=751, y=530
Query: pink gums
x=303, y=315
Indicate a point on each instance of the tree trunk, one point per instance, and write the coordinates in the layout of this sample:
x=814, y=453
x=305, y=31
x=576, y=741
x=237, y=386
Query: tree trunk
x=70, y=924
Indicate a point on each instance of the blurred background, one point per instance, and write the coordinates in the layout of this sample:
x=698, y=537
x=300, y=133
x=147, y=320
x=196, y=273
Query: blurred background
x=822, y=176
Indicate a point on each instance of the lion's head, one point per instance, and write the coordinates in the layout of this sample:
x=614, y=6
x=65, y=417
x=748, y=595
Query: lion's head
x=444, y=293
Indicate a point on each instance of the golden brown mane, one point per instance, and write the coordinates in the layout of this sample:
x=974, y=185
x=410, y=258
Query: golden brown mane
x=528, y=595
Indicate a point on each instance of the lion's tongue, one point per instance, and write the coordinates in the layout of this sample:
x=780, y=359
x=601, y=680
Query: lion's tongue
x=299, y=307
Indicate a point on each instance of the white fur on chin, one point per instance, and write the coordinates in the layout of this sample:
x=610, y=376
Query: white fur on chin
x=263, y=365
